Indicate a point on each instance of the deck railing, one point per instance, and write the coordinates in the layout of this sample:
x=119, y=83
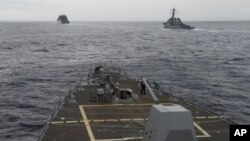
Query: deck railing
x=150, y=91
x=175, y=94
x=58, y=107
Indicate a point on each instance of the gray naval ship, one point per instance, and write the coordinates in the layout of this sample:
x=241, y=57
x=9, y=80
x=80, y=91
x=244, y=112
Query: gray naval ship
x=63, y=19
x=176, y=23
x=110, y=106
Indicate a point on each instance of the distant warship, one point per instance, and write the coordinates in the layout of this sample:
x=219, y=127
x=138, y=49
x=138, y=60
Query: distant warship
x=175, y=23
x=63, y=19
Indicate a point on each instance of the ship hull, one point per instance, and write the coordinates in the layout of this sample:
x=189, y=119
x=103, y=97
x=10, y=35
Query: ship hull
x=187, y=27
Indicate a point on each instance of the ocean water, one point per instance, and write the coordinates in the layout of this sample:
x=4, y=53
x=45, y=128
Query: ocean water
x=40, y=62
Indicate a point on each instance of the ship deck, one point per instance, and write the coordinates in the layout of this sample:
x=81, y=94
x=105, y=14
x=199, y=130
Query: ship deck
x=83, y=118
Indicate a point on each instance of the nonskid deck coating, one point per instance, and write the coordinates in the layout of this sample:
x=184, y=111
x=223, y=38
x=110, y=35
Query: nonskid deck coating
x=83, y=120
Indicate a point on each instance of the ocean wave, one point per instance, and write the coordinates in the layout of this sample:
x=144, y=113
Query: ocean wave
x=34, y=43
x=41, y=50
x=37, y=72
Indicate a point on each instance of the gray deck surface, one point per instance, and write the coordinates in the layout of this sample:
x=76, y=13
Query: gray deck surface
x=83, y=120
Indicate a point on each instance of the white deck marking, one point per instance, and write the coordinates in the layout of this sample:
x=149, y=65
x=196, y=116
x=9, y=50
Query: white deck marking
x=86, y=122
x=57, y=122
x=98, y=120
x=112, y=120
x=121, y=139
x=200, y=117
x=91, y=135
x=71, y=122
x=125, y=119
x=205, y=134
x=207, y=117
x=213, y=117
x=113, y=105
x=67, y=122
x=137, y=119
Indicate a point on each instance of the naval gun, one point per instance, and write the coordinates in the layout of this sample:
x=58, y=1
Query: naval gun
x=168, y=123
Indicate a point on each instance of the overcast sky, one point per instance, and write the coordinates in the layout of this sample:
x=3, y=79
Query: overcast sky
x=124, y=10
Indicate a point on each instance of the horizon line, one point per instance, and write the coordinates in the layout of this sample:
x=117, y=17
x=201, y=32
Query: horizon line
x=124, y=21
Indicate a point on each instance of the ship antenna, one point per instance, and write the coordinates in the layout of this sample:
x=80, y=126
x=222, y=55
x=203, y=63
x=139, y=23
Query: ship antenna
x=173, y=13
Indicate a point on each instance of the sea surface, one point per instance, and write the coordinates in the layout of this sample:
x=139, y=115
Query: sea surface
x=41, y=61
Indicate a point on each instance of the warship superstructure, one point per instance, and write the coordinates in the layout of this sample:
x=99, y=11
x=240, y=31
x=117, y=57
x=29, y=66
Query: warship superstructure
x=63, y=19
x=109, y=106
x=176, y=23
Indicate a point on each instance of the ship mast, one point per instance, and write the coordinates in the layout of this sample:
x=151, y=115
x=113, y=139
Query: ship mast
x=173, y=13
